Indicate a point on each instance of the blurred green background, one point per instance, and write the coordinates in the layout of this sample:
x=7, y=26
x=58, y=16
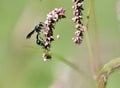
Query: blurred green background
x=21, y=64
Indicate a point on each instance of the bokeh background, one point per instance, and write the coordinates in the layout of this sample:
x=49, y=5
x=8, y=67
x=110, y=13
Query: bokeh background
x=21, y=63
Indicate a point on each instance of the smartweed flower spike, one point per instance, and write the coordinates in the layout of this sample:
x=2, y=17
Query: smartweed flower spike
x=52, y=18
x=77, y=12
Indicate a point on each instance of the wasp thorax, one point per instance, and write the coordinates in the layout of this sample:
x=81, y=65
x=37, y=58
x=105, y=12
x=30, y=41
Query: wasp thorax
x=37, y=28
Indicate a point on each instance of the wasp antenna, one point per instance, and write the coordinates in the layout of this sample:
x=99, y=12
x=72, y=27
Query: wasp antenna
x=30, y=34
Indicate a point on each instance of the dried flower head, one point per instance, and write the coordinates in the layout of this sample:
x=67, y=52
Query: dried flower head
x=77, y=12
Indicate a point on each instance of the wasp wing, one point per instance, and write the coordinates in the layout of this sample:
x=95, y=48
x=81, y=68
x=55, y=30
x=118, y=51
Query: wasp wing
x=30, y=34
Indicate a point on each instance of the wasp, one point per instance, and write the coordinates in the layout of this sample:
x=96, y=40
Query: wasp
x=37, y=29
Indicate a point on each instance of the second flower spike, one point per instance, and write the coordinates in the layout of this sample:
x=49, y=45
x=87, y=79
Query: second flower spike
x=77, y=12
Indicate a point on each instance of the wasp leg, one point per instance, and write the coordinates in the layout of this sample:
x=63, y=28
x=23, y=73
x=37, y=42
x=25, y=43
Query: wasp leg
x=41, y=24
x=39, y=41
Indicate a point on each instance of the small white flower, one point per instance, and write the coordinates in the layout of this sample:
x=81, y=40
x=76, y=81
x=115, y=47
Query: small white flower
x=58, y=36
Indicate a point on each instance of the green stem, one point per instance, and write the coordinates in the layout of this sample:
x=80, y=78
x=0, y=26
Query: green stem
x=109, y=68
x=92, y=63
x=89, y=9
x=97, y=46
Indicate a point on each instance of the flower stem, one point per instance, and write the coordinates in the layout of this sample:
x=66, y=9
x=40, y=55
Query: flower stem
x=97, y=44
x=92, y=63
